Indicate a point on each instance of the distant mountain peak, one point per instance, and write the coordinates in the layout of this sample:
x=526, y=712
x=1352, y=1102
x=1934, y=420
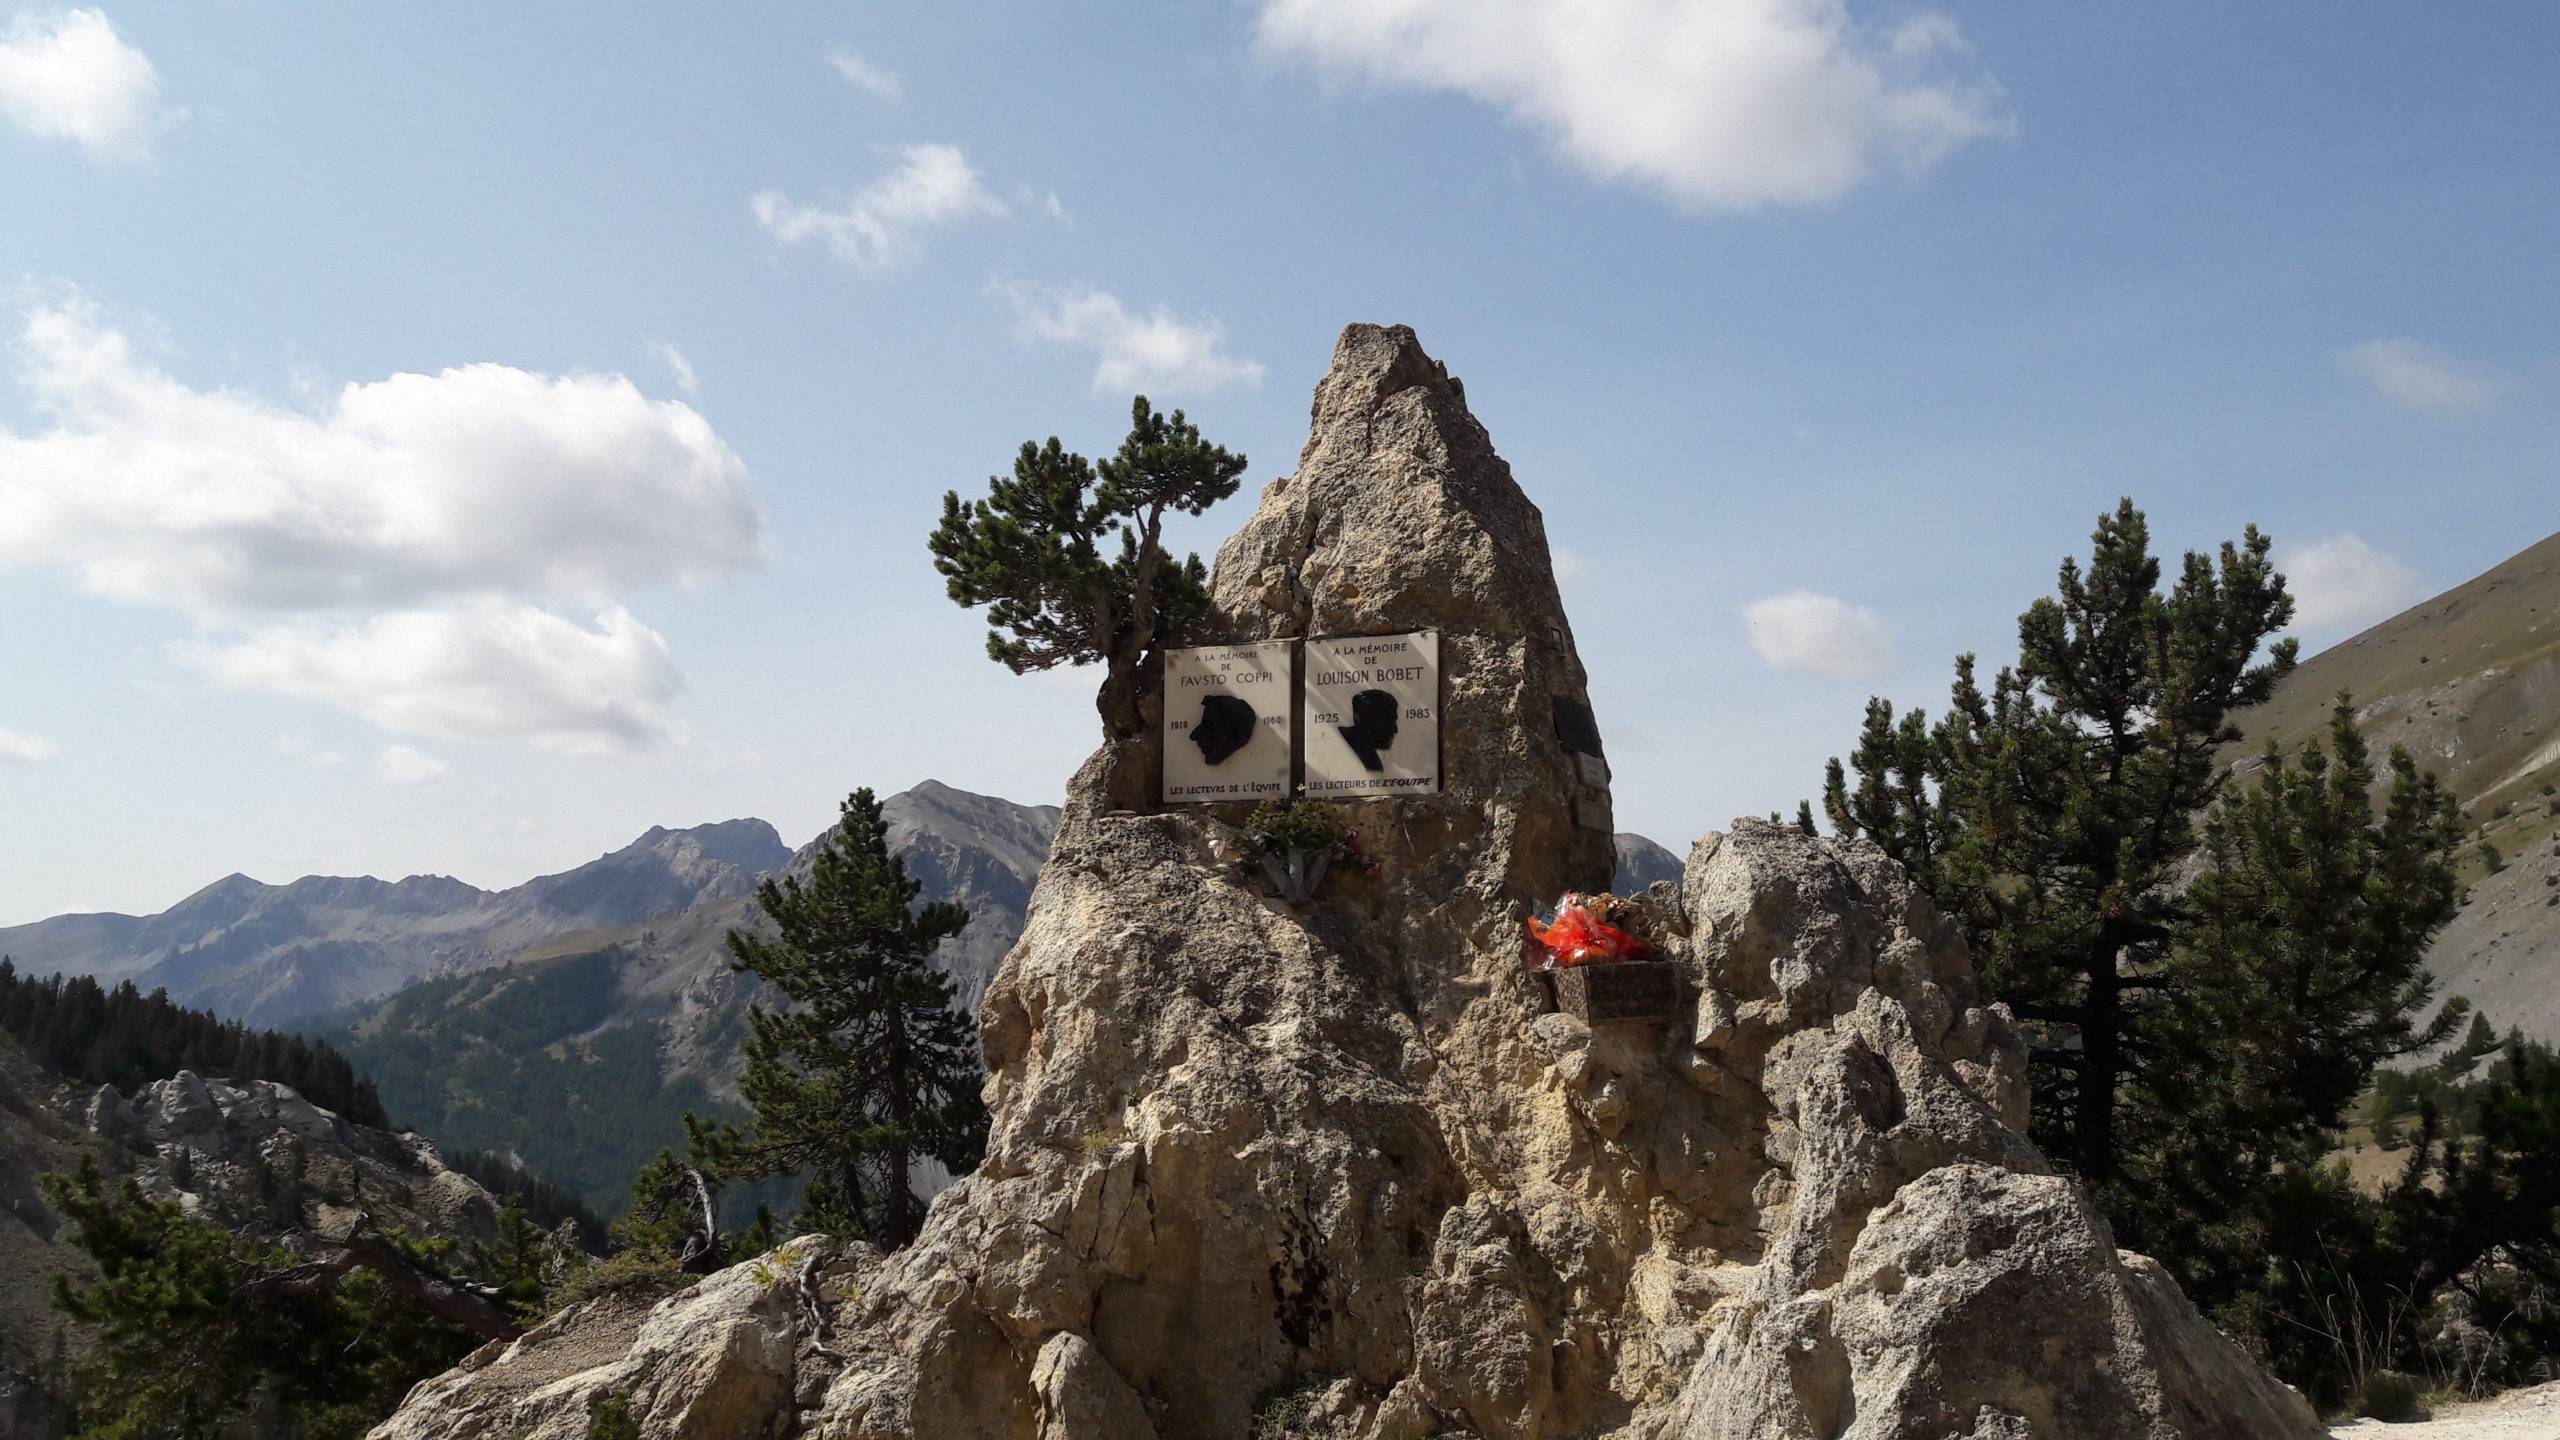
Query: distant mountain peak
x=276, y=953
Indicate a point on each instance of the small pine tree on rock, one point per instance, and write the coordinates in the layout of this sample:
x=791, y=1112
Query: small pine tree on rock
x=871, y=1067
x=1035, y=553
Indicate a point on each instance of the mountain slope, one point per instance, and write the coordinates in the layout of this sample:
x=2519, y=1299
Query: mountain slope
x=270, y=954
x=1641, y=862
x=2469, y=682
x=580, y=1055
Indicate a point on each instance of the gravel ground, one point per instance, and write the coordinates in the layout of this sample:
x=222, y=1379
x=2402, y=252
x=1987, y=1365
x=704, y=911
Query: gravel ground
x=2517, y=1415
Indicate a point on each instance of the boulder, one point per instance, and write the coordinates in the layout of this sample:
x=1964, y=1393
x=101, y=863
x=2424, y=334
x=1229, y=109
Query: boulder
x=719, y=1361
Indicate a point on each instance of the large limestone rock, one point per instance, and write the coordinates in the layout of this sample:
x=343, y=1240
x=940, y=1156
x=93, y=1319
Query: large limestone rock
x=1338, y=1171
x=1922, y=1272
x=1231, y=1136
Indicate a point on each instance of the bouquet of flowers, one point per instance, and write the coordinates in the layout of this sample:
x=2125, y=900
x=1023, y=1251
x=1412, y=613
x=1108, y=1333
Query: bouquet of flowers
x=1583, y=933
x=1298, y=841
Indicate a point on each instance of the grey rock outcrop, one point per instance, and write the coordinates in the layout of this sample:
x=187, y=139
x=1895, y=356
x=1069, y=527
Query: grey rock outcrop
x=716, y=1362
x=1231, y=1135
x=256, y=1159
x=1339, y=1170
x=228, y=1131
x=1923, y=1272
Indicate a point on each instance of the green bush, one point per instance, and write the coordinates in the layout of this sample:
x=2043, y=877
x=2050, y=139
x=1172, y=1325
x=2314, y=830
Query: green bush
x=610, y=1418
x=635, y=1274
x=2392, y=1396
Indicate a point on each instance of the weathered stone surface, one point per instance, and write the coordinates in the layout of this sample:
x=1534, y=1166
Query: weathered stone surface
x=1228, y=1136
x=1336, y=1165
x=1924, y=1275
x=719, y=1361
x=218, y=1131
x=1081, y=1395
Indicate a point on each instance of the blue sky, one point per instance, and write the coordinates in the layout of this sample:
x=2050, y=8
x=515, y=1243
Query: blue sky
x=456, y=438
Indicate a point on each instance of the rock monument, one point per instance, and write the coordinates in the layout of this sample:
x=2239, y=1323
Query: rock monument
x=1338, y=1170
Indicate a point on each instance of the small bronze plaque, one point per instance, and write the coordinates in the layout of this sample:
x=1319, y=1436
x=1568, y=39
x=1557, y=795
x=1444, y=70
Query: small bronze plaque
x=1622, y=990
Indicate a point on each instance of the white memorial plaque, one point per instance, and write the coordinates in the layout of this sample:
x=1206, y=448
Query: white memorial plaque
x=1226, y=722
x=1373, y=715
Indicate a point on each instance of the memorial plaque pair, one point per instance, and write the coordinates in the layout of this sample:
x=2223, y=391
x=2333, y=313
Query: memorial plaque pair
x=1239, y=724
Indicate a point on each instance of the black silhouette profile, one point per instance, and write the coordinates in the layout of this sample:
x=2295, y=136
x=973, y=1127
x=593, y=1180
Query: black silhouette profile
x=1226, y=725
x=1372, y=727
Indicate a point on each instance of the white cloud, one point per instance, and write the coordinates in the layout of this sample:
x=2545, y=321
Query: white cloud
x=2414, y=377
x=876, y=230
x=1725, y=104
x=1571, y=569
x=17, y=749
x=403, y=765
x=1802, y=630
x=494, y=670
x=2343, y=581
x=1159, y=352
x=880, y=82
x=69, y=76
x=677, y=365
x=399, y=548
x=475, y=479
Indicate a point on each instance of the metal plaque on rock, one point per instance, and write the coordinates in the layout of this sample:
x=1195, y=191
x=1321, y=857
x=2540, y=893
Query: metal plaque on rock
x=1227, y=717
x=1373, y=715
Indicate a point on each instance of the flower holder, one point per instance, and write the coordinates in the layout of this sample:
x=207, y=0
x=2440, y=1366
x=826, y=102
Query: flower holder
x=1296, y=872
x=1622, y=991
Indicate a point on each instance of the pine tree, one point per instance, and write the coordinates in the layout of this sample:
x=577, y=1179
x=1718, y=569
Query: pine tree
x=2051, y=816
x=871, y=1066
x=1033, y=552
x=189, y=1325
x=2211, y=966
x=127, y=1039
x=675, y=1208
x=2295, y=971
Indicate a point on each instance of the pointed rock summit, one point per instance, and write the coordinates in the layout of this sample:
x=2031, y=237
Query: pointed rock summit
x=1342, y=1169
x=1229, y=1133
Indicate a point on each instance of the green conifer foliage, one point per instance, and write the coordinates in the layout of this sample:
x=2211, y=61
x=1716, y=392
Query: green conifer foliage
x=2051, y=816
x=871, y=1066
x=1035, y=553
x=184, y=1336
x=119, y=1036
x=2297, y=962
x=2295, y=971
x=2213, y=965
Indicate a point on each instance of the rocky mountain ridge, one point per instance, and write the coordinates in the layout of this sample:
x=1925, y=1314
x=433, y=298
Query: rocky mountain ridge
x=618, y=1030
x=273, y=954
x=639, y=1015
